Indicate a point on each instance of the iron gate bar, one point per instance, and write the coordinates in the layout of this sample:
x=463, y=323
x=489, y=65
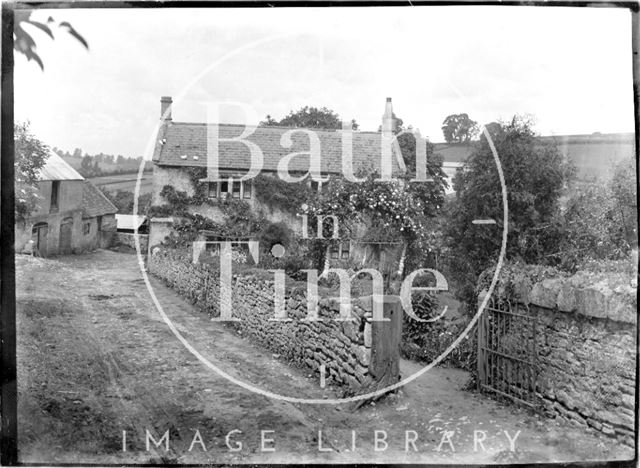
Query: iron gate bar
x=524, y=361
x=508, y=372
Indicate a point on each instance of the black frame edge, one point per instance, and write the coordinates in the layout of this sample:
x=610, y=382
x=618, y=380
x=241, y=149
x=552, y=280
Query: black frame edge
x=9, y=390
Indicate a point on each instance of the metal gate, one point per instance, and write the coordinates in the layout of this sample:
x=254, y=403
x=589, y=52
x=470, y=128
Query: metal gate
x=507, y=352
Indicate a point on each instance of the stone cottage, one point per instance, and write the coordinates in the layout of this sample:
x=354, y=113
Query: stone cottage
x=181, y=146
x=72, y=214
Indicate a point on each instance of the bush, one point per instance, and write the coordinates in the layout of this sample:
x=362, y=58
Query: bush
x=425, y=341
x=275, y=233
x=123, y=200
x=425, y=306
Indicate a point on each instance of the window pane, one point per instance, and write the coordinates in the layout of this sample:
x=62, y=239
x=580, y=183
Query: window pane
x=224, y=187
x=247, y=189
x=345, y=250
x=236, y=189
x=55, y=190
x=213, y=189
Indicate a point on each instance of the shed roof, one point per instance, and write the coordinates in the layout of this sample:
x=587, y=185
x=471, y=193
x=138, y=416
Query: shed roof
x=94, y=202
x=56, y=168
x=128, y=221
x=185, y=144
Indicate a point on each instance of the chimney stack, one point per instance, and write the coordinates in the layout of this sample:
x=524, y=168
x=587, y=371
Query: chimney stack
x=165, y=107
x=387, y=118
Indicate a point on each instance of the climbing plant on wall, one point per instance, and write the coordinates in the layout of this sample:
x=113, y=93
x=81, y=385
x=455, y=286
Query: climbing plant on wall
x=275, y=192
x=239, y=220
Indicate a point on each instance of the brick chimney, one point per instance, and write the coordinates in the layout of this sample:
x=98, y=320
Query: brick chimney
x=387, y=118
x=165, y=107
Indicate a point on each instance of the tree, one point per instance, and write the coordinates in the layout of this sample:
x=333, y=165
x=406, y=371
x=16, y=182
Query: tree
x=24, y=44
x=459, y=128
x=309, y=117
x=534, y=175
x=623, y=188
x=96, y=171
x=398, y=124
x=30, y=156
x=86, y=166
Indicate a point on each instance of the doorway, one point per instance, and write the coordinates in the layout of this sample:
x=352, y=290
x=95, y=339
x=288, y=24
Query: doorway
x=39, y=238
x=66, y=228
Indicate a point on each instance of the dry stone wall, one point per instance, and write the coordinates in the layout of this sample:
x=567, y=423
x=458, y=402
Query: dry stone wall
x=343, y=347
x=585, y=343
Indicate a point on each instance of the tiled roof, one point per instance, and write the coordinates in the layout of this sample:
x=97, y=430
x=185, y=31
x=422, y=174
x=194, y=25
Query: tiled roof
x=94, y=203
x=55, y=168
x=177, y=140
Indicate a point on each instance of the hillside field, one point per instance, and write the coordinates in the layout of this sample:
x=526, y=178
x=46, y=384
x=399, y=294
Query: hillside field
x=124, y=182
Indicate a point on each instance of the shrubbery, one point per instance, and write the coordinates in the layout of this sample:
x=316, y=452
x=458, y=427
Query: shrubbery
x=425, y=341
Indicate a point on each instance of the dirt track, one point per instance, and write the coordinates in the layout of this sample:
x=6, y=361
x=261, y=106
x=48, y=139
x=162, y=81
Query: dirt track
x=95, y=359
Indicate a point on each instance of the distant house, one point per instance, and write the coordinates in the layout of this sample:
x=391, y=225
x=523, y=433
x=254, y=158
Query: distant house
x=72, y=214
x=181, y=146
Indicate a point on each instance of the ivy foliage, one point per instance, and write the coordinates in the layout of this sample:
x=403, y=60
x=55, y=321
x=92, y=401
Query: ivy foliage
x=239, y=220
x=275, y=192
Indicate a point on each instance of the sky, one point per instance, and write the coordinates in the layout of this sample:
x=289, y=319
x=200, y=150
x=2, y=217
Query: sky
x=570, y=68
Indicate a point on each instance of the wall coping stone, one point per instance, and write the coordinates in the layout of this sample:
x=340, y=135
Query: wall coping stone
x=600, y=295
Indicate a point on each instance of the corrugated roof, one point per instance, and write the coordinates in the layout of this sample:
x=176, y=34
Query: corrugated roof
x=127, y=221
x=55, y=168
x=94, y=202
x=185, y=144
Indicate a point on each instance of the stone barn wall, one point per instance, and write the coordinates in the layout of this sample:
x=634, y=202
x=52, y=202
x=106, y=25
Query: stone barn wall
x=344, y=347
x=586, y=345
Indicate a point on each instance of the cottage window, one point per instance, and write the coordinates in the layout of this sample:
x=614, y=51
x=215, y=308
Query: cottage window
x=246, y=189
x=55, y=195
x=99, y=223
x=212, y=248
x=213, y=189
x=86, y=228
x=335, y=251
x=236, y=189
x=344, y=250
x=224, y=188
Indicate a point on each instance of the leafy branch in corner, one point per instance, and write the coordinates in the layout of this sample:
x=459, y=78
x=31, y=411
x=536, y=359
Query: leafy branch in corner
x=24, y=43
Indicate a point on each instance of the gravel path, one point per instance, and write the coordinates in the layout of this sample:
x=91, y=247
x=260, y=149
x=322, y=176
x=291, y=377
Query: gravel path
x=95, y=359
